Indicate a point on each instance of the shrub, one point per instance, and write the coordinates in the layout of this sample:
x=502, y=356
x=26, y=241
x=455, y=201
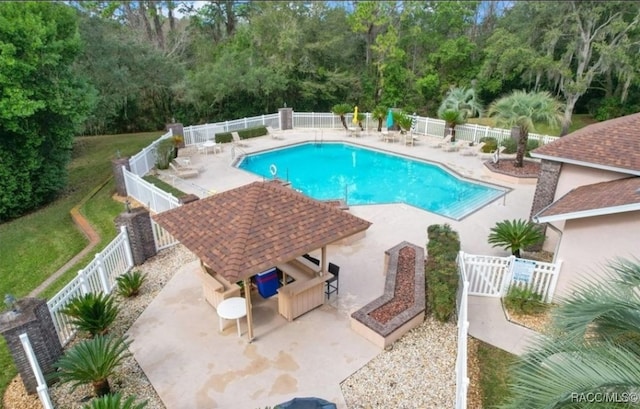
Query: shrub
x=129, y=283
x=511, y=146
x=92, y=313
x=224, y=137
x=165, y=153
x=515, y=235
x=490, y=144
x=441, y=270
x=524, y=300
x=92, y=362
x=114, y=401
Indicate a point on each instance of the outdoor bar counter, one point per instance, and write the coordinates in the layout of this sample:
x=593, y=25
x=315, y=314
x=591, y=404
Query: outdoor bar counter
x=305, y=293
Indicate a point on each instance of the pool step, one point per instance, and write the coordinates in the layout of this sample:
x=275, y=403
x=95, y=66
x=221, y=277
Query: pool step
x=459, y=209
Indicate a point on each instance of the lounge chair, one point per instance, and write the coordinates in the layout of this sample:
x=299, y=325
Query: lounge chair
x=236, y=140
x=273, y=133
x=441, y=143
x=455, y=146
x=472, y=150
x=183, y=171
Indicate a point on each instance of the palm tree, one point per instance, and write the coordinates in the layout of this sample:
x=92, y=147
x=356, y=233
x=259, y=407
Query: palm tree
x=342, y=110
x=114, y=402
x=524, y=109
x=515, y=235
x=458, y=105
x=592, y=350
x=452, y=118
x=93, y=361
x=380, y=114
x=404, y=121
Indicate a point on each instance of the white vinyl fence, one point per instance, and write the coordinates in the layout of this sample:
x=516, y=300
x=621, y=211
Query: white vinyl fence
x=462, y=300
x=492, y=276
x=148, y=194
x=98, y=276
x=316, y=120
x=145, y=160
x=42, y=388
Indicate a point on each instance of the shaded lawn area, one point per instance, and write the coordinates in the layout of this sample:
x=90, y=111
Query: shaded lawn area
x=160, y=184
x=494, y=366
x=36, y=245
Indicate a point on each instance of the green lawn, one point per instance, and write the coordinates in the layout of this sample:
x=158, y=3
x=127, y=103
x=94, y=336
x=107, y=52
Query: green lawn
x=35, y=246
x=160, y=184
x=494, y=374
x=579, y=121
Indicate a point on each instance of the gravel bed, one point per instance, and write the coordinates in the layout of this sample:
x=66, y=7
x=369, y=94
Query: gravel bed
x=418, y=371
x=129, y=379
x=403, y=296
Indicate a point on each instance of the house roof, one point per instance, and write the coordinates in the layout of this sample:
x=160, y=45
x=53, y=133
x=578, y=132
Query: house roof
x=622, y=195
x=612, y=145
x=244, y=231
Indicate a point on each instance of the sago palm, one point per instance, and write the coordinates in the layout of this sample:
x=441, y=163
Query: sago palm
x=404, y=121
x=524, y=109
x=93, y=361
x=515, y=235
x=591, y=350
x=93, y=313
x=115, y=401
x=341, y=110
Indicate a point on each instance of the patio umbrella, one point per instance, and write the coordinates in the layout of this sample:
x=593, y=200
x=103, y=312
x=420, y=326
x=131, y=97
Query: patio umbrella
x=389, y=119
x=355, y=116
x=306, y=403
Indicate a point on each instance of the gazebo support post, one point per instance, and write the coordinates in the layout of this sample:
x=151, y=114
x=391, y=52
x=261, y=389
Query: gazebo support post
x=247, y=297
x=324, y=260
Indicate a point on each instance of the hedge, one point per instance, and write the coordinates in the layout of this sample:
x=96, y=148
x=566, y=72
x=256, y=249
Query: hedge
x=247, y=133
x=441, y=270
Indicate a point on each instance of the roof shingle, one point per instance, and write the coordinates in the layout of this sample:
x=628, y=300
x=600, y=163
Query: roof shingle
x=614, y=144
x=604, y=195
x=244, y=231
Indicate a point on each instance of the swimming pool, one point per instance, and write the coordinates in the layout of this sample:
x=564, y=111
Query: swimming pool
x=365, y=176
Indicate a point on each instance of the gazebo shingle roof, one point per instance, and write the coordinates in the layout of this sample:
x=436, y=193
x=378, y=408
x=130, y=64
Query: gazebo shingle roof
x=244, y=231
x=614, y=143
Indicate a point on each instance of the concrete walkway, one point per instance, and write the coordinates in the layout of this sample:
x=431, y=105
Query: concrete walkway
x=488, y=323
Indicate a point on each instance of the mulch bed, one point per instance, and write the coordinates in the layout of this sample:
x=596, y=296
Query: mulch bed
x=404, y=290
x=530, y=169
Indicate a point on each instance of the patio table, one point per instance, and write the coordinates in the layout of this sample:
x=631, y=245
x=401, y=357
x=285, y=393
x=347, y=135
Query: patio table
x=212, y=145
x=232, y=308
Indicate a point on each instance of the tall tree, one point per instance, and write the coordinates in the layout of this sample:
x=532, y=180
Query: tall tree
x=567, y=44
x=524, y=110
x=41, y=102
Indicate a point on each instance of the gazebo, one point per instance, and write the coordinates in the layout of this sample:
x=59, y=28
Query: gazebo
x=245, y=231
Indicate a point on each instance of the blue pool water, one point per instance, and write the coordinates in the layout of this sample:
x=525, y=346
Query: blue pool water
x=364, y=176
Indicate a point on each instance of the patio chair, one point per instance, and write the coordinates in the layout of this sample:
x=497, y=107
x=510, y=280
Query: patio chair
x=333, y=282
x=183, y=172
x=454, y=146
x=409, y=139
x=237, y=141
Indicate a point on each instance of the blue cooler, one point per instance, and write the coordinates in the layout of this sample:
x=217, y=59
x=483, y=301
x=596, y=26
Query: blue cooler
x=268, y=283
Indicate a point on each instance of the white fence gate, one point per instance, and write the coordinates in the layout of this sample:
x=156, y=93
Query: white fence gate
x=492, y=276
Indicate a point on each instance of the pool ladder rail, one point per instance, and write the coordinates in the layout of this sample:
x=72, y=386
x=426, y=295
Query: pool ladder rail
x=318, y=141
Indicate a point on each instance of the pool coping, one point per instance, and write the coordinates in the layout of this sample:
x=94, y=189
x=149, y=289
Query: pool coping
x=504, y=189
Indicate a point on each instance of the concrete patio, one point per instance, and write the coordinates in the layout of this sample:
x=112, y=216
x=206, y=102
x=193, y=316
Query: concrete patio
x=192, y=365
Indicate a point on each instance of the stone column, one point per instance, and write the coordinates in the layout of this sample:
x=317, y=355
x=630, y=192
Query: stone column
x=545, y=191
x=140, y=231
x=286, y=118
x=116, y=167
x=32, y=317
x=178, y=130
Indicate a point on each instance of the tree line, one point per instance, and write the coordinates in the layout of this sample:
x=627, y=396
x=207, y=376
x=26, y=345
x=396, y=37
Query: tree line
x=85, y=68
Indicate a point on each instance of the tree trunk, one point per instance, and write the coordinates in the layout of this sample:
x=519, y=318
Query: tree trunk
x=344, y=122
x=566, y=121
x=522, y=146
x=101, y=387
x=379, y=124
x=452, y=126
